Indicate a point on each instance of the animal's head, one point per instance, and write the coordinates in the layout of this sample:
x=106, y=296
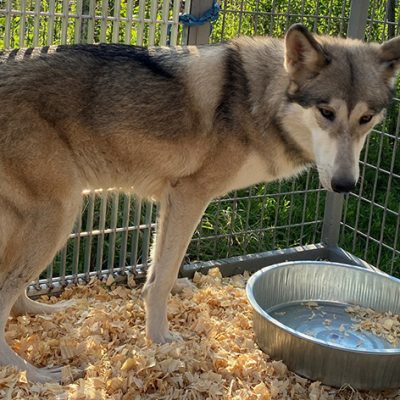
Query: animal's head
x=339, y=88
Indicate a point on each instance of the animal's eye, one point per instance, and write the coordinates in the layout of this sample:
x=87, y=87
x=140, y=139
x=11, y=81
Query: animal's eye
x=327, y=113
x=365, y=119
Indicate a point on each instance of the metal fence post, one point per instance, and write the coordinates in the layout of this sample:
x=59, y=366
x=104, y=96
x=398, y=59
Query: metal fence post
x=199, y=34
x=334, y=202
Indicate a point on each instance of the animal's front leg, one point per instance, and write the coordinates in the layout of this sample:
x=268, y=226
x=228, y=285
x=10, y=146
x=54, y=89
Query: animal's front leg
x=180, y=212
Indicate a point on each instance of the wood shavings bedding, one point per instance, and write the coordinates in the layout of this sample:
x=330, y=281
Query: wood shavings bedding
x=386, y=325
x=102, y=336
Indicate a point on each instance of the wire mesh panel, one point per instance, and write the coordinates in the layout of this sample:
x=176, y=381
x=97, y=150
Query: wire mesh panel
x=273, y=17
x=25, y=23
x=370, y=227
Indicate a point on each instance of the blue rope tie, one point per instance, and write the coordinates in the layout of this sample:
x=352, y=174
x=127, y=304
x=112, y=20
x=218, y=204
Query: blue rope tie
x=211, y=15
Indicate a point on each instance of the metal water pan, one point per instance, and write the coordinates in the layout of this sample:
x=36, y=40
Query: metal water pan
x=300, y=317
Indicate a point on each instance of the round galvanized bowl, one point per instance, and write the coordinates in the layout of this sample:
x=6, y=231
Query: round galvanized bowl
x=300, y=318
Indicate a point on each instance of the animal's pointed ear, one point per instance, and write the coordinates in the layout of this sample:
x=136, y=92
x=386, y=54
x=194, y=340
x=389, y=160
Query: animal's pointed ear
x=304, y=55
x=390, y=56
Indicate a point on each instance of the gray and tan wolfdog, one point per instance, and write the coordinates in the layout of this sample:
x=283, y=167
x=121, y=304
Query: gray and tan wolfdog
x=178, y=125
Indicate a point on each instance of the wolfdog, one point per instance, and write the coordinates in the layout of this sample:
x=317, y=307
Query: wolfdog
x=178, y=125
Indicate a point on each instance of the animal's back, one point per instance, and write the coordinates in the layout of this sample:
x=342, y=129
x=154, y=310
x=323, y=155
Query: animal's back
x=113, y=108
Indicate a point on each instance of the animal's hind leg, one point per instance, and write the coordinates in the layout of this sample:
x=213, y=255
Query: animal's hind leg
x=25, y=251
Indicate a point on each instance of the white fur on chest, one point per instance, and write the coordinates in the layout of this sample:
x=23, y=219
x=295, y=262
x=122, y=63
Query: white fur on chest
x=253, y=170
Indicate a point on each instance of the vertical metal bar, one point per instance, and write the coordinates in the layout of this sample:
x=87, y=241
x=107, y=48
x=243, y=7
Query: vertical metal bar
x=63, y=264
x=334, y=201
x=185, y=30
x=216, y=227
x=49, y=274
x=272, y=19
x=113, y=226
x=316, y=215
x=140, y=28
x=64, y=22
x=287, y=24
x=396, y=237
x=303, y=215
x=302, y=11
x=175, y=24
x=128, y=27
x=360, y=192
x=84, y=22
x=257, y=8
x=100, y=240
x=232, y=221
x=389, y=185
x=372, y=19
x=390, y=18
x=153, y=23
x=246, y=226
x=277, y=207
x=240, y=17
x=147, y=233
x=7, y=37
x=199, y=234
x=223, y=22
x=104, y=21
x=89, y=238
x=316, y=17
x=164, y=24
x=135, y=233
x=78, y=21
x=91, y=22
x=332, y=218
x=199, y=34
x=342, y=19
x=116, y=22
x=263, y=230
x=373, y=196
x=358, y=19
x=36, y=24
x=289, y=222
x=22, y=22
x=50, y=31
x=125, y=224
x=330, y=14
x=77, y=242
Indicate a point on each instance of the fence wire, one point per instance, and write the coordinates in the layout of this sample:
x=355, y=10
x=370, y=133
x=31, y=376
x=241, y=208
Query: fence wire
x=370, y=226
x=25, y=23
x=114, y=231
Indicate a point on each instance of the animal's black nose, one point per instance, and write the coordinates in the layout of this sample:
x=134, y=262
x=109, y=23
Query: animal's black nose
x=342, y=185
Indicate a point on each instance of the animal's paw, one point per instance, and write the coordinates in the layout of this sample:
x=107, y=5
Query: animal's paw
x=167, y=337
x=44, y=375
x=182, y=284
x=172, y=337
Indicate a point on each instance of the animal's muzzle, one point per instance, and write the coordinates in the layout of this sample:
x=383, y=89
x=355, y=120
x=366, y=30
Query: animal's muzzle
x=343, y=185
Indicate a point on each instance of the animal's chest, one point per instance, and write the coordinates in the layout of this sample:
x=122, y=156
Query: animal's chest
x=253, y=170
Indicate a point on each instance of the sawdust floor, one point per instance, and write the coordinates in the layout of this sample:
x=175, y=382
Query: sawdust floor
x=102, y=336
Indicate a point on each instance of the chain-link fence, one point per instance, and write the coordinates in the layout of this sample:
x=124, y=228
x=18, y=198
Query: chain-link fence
x=114, y=231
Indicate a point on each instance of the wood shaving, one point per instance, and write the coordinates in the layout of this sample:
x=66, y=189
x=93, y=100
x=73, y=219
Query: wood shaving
x=312, y=304
x=102, y=337
x=386, y=325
